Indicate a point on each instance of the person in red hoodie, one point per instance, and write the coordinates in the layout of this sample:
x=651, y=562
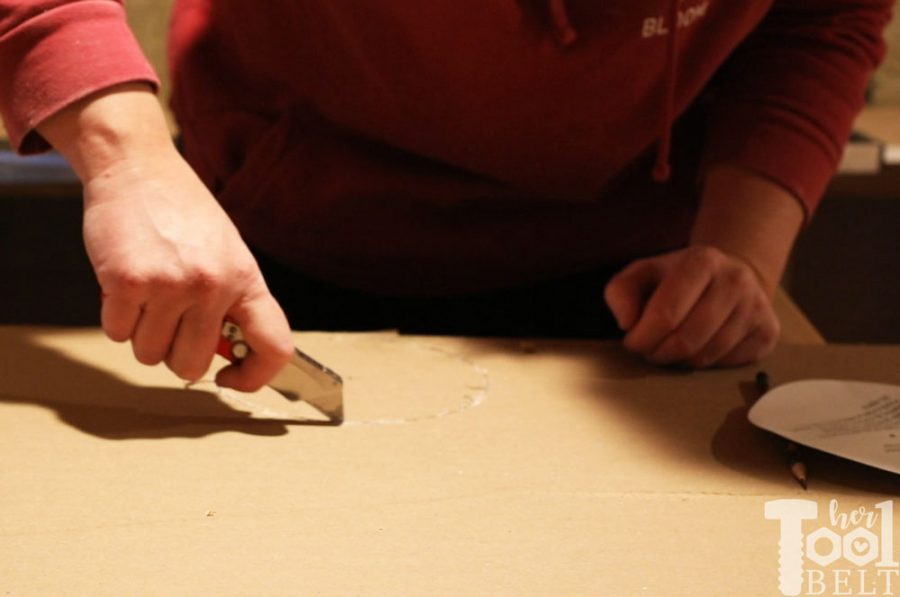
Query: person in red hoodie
x=444, y=148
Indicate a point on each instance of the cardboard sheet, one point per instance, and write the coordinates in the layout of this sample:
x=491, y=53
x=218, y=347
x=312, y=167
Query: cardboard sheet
x=487, y=467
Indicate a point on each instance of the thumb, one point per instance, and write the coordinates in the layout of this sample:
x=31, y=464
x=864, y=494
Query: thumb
x=268, y=335
x=628, y=291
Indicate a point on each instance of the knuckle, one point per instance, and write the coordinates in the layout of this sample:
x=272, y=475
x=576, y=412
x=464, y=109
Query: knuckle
x=611, y=290
x=137, y=281
x=702, y=258
x=666, y=317
x=769, y=334
x=123, y=281
x=166, y=281
x=203, y=280
x=758, y=314
x=681, y=346
x=740, y=279
x=245, y=272
x=763, y=305
x=715, y=348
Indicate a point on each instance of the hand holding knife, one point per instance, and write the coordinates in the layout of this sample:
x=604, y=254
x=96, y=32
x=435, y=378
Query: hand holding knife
x=302, y=378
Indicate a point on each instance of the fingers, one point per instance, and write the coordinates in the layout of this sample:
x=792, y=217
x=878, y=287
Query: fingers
x=154, y=334
x=179, y=323
x=749, y=333
x=268, y=334
x=707, y=309
x=694, y=335
x=172, y=264
x=165, y=318
x=734, y=330
x=627, y=291
x=195, y=342
x=119, y=316
x=680, y=289
x=758, y=343
x=186, y=339
x=729, y=298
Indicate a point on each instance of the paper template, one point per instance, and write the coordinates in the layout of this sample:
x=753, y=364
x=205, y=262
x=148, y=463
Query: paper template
x=852, y=419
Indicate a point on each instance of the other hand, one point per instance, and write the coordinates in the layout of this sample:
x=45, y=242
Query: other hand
x=697, y=306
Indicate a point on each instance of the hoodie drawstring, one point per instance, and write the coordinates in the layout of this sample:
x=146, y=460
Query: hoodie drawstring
x=662, y=169
x=562, y=25
x=566, y=35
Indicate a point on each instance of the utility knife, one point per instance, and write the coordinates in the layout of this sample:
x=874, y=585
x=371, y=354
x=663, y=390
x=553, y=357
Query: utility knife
x=302, y=378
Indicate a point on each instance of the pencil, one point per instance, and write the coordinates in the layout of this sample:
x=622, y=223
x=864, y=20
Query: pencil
x=792, y=450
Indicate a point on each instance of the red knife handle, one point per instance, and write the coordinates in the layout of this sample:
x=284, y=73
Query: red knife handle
x=231, y=343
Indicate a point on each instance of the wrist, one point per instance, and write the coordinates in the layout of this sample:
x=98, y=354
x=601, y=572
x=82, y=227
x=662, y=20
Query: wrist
x=766, y=280
x=750, y=218
x=104, y=130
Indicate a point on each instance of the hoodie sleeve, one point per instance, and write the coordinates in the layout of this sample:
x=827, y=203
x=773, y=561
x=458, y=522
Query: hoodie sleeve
x=785, y=101
x=54, y=52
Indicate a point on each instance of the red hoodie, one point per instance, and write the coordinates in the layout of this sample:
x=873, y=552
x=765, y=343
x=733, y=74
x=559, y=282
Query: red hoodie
x=410, y=146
